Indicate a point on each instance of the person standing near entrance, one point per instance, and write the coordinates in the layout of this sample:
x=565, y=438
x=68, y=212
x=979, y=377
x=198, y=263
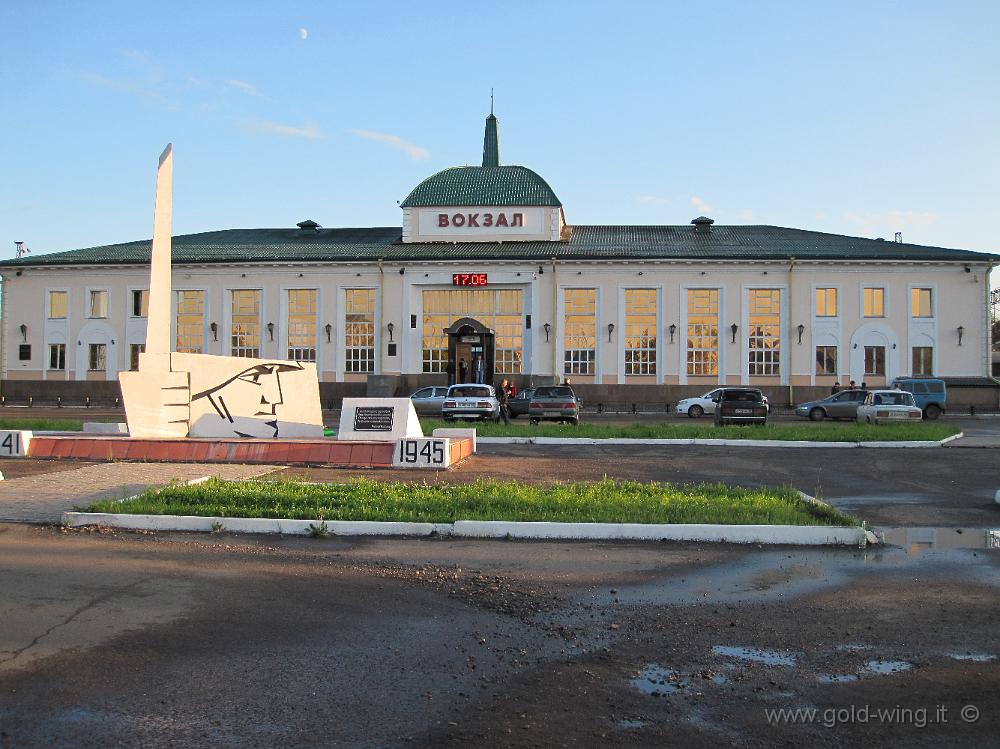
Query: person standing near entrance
x=450, y=371
x=477, y=369
x=463, y=370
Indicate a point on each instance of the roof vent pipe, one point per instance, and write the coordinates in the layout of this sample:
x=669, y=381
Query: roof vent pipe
x=308, y=226
x=703, y=224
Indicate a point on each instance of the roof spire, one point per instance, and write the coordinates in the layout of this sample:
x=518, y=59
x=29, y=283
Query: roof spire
x=491, y=140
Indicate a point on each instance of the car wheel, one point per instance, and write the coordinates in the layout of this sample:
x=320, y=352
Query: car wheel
x=932, y=412
x=574, y=422
x=534, y=422
x=817, y=414
x=695, y=412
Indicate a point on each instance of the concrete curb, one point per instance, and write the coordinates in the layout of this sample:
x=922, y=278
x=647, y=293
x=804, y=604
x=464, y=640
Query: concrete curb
x=708, y=442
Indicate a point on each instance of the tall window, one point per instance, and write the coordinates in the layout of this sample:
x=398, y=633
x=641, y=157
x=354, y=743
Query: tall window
x=580, y=331
x=98, y=304
x=923, y=360
x=134, y=349
x=765, y=332
x=874, y=300
x=826, y=360
x=140, y=303
x=57, y=356
x=190, y=322
x=497, y=309
x=826, y=302
x=920, y=303
x=98, y=360
x=359, y=330
x=245, y=332
x=875, y=360
x=702, y=332
x=57, y=305
x=640, y=331
x=302, y=325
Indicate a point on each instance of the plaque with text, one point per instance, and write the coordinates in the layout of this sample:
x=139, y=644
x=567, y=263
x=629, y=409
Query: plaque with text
x=373, y=418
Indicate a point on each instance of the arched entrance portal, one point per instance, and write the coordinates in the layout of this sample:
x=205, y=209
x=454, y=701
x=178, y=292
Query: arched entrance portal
x=467, y=339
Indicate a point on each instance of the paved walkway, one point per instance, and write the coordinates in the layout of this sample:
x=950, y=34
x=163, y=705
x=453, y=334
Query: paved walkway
x=43, y=498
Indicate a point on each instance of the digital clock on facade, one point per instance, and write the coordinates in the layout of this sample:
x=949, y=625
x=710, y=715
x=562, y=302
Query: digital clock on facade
x=468, y=279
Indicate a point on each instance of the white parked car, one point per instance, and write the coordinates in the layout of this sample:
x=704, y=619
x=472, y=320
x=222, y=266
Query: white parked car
x=705, y=404
x=882, y=406
x=471, y=402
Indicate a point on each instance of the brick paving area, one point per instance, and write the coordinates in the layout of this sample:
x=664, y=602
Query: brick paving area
x=43, y=498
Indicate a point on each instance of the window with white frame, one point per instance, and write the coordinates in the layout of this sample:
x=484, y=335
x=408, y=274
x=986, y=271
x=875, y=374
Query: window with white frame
x=702, y=332
x=98, y=304
x=140, y=303
x=580, y=331
x=920, y=303
x=359, y=330
x=764, y=338
x=874, y=360
x=302, y=324
x=923, y=360
x=190, y=321
x=826, y=302
x=98, y=359
x=826, y=360
x=58, y=303
x=640, y=331
x=57, y=356
x=874, y=301
x=245, y=323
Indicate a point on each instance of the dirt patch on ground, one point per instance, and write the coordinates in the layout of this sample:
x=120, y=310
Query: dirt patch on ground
x=16, y=468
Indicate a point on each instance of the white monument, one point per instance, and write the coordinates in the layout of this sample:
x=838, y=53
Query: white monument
x=200, y=395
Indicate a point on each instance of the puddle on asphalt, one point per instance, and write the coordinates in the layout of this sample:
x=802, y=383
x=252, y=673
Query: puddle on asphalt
x=657, y=680
x=919, y=540
x=629, y=723
x=882, y=668
x=835, y=678
x=974, y=657
x=852, y=647
x=767, y=657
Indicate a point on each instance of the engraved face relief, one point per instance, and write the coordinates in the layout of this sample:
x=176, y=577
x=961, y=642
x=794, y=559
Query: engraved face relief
x=249, y=400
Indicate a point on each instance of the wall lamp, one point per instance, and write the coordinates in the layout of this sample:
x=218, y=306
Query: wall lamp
x=270, y=330
x=672, y=329
x=390, y=327
x=734, y=327
x=961, y=332
x=801, y=329
x=329, y=331
x=547, y=329
x=611, y=329
x=215, y=331
x=24, y=332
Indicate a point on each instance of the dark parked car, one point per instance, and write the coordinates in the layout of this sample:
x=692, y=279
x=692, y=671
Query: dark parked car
x=518, y=405
x=555, y=403
x=740, y=406
x=842, y=405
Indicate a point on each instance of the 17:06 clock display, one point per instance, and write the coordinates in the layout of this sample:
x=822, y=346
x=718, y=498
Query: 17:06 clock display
x=468, y=279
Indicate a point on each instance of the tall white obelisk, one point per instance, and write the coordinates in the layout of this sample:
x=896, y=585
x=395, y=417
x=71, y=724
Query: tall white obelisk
x=158, y=320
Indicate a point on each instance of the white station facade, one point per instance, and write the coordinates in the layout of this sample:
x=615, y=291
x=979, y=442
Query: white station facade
x=486, y=263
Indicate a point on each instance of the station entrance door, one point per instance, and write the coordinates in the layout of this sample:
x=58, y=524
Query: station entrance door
x=467, y=339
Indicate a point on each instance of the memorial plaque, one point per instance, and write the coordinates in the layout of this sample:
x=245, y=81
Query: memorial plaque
x=373, y=418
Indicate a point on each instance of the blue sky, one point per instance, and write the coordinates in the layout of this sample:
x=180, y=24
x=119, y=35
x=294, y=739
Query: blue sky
x=857, y=118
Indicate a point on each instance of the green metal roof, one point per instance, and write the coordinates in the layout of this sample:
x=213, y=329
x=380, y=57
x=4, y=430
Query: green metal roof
x=737, y=243
x=481, y=186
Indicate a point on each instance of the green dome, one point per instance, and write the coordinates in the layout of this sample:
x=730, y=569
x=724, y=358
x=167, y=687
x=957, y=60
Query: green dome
x=482, y=186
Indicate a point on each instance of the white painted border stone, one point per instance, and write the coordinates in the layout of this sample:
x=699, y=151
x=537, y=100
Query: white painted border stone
x=708, y=442
x=457, y=434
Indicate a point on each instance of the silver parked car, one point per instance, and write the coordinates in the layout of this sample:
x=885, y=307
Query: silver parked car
x=842, y=405
x=888, y=405
x=429, y=400
x=471, y=402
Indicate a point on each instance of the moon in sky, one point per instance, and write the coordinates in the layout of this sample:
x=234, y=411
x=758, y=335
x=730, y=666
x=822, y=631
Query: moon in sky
x=303, y=33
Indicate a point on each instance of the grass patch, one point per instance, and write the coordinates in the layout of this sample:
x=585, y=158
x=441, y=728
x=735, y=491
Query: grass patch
x=43, y=425
x=826, y=432
x=606, y=501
